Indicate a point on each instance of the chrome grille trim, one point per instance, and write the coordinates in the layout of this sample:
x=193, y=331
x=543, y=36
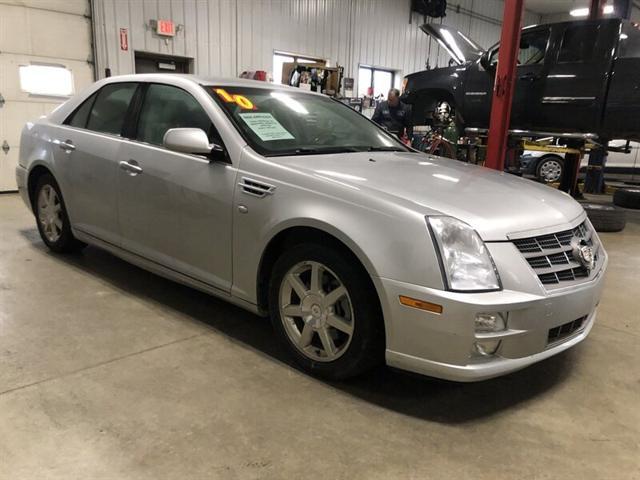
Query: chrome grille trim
x=551, y=255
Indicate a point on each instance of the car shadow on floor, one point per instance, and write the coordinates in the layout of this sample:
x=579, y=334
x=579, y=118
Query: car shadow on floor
x=418, y=396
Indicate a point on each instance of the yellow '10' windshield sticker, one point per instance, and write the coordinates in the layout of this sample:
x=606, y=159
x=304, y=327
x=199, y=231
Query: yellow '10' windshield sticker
x=240, y=100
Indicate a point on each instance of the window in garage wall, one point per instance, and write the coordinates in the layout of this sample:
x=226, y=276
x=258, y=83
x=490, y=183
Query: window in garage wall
x=280, y=58
x=379, y=79
x=49, y=80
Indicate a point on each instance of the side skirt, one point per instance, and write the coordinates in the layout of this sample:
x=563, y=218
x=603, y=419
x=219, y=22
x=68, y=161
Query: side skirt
x=164, y=271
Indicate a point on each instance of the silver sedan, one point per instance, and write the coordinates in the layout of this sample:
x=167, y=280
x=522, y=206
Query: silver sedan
x=294, y=206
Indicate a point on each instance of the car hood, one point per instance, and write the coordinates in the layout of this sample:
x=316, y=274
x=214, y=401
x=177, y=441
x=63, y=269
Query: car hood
x=496, y=204
x=461, y=48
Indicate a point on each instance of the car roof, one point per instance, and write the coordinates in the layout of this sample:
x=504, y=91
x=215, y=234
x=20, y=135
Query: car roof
x=177, y=78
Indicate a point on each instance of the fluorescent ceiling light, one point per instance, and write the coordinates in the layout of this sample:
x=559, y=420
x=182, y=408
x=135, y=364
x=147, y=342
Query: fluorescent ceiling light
x=583, y=12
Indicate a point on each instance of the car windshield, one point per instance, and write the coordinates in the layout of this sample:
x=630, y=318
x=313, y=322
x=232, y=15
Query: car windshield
x=279, y=122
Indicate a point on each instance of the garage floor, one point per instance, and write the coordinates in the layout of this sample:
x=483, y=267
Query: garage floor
x=107, y=371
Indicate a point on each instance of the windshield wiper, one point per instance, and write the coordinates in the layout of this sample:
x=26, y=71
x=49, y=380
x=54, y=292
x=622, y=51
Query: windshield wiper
x=383, y=149
x=317, y=151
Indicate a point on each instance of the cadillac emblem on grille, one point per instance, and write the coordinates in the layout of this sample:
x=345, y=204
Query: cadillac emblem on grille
x=584, y=254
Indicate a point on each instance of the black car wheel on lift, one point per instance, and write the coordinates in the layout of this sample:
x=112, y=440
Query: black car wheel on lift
x=627, y=197
x=550, y=169
x=605, y=218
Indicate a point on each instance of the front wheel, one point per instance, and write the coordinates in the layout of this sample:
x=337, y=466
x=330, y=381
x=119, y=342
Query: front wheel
x=51, y=217
x=550, y=169
x=325, y=311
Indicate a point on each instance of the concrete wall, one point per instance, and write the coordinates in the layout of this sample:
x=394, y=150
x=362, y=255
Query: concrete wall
x=226, y=37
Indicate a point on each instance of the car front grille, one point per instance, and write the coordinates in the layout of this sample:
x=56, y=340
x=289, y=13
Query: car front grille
x=551, y=256
x=565, y=330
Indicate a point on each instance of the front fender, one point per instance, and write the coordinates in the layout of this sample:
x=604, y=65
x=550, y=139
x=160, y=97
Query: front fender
x=390, y=240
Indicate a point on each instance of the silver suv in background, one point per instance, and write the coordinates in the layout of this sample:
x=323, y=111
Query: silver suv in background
x=292, y=205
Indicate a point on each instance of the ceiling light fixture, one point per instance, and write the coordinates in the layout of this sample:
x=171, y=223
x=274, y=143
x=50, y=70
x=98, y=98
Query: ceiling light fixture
x=583, y=12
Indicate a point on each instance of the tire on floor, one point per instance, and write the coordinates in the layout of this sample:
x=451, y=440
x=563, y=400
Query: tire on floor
x=605, y=217
x=627, y=197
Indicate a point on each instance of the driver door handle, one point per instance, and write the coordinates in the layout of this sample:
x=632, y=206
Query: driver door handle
x=131, y=167
x=529, y=77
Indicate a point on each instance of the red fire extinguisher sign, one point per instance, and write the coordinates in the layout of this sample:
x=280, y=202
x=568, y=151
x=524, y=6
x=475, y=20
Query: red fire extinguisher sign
x=124, y=39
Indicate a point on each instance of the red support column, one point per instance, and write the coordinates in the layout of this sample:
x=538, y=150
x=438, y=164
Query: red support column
x=595, y=11
x=504, y=84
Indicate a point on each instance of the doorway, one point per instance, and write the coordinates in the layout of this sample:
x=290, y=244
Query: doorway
x=156, y=63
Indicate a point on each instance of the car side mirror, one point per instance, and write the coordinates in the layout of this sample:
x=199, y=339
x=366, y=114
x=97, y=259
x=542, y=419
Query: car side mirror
x=191, y=140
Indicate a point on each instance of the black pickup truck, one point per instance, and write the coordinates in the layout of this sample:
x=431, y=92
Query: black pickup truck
x=580, y=76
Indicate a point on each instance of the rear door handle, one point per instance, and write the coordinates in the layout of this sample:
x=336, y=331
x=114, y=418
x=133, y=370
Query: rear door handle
x=131, y=167
x=67, y=146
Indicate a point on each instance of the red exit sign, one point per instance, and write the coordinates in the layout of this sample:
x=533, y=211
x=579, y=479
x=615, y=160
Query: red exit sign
x=166, y=28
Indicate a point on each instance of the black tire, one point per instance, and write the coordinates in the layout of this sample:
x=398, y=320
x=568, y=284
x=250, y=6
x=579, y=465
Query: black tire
x=627, y=197
x=66, y=242
x=548, y=160
x=605, y=217
x=367, y=344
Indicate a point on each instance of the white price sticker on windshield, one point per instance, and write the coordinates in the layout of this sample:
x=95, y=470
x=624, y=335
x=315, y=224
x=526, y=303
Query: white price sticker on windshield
x=266, y=126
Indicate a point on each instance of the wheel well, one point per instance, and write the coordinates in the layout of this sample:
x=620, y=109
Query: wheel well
x=34, y=175
x=427, y=101
x=548, y=157
x=289, y=238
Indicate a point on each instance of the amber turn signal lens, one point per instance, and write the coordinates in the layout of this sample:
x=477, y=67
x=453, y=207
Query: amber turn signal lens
x=421, y=304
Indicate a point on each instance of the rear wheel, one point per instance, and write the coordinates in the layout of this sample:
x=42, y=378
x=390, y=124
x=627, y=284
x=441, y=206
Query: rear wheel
x=325, y=311
x=51, y=217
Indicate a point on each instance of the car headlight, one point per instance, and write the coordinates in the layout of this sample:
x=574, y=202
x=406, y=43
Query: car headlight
x=466, y=263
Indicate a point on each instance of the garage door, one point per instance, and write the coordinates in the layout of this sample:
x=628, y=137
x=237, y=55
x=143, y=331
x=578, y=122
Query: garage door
x=45, y=49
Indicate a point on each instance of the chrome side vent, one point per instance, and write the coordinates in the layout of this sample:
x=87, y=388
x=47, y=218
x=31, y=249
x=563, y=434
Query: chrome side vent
x=255, y=188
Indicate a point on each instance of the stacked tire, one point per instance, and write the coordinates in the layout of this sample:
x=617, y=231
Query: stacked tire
x=627, y=197
x=605, y=217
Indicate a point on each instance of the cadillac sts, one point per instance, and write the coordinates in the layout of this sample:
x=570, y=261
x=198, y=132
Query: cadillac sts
x=294, y=206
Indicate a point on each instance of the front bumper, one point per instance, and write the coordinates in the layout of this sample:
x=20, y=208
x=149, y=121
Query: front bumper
x=442, y=345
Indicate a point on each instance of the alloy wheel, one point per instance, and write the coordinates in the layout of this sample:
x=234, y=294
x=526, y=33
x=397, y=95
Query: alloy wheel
x=50, y=213
x=551, y=171
x=316, y=311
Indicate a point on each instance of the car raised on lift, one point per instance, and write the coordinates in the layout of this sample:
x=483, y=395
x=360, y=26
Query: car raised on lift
x=578, y=77
x=292, y=205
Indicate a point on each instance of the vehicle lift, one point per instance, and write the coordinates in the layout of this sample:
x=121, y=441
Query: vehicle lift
x=576, y=146
x=502, y=142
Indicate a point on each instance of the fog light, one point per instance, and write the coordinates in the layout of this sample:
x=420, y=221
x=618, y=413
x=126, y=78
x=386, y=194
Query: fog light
x=490, y=322
x=486, y=347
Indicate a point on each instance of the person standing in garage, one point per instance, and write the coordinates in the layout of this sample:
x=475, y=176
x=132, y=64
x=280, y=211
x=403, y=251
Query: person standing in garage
x=394, y=116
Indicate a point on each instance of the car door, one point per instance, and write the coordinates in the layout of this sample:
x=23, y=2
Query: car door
x=85, y=149
x=575, y=86
x=175, y=209
x=532, y=59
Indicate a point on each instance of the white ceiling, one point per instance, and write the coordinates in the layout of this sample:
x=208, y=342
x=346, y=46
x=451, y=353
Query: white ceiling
x=546, y=7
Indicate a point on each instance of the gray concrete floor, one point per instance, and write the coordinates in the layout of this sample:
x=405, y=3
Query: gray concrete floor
x=109, y=372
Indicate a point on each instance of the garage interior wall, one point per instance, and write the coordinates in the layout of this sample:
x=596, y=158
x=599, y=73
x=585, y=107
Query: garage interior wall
x=226, y=37
x=33, y=32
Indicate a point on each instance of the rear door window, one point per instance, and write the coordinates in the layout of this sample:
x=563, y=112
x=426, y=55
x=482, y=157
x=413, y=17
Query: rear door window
x=110, y=108
x=80, y=116
x=166, y=107
x=578, y=43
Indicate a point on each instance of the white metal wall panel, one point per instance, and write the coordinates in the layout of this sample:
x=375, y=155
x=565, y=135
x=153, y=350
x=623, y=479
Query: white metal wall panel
x=226, y=37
